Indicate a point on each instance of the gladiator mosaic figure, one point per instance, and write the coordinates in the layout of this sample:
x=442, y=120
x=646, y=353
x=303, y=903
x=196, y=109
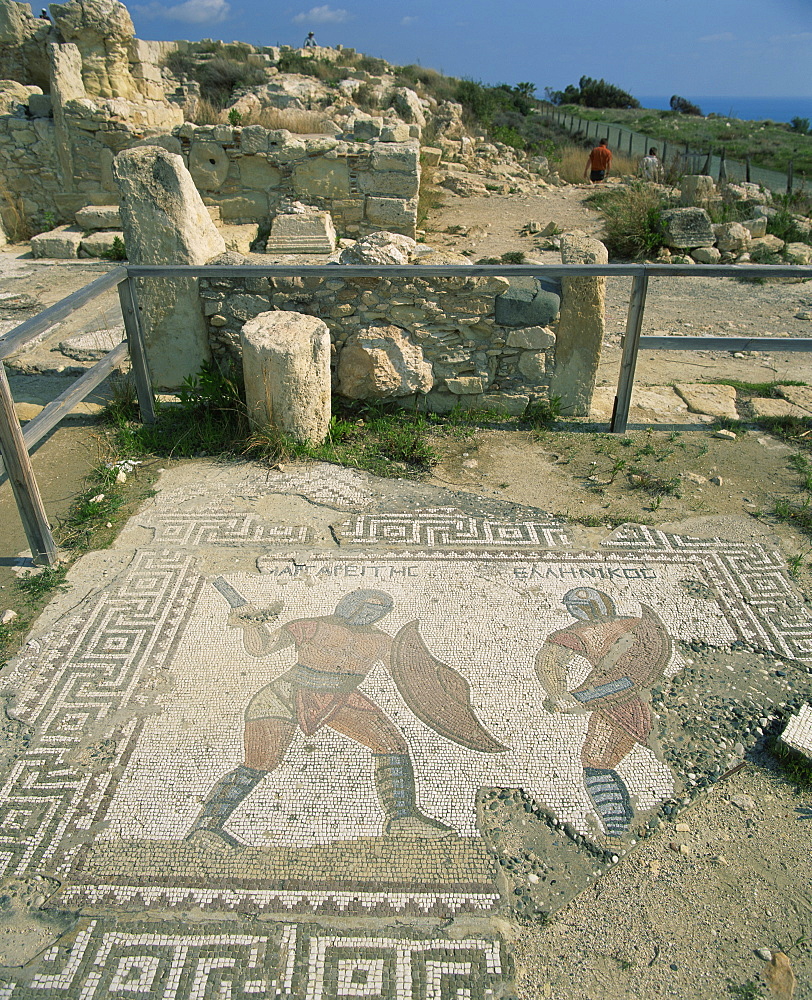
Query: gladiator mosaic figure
x=334, y=655
x=627, y=655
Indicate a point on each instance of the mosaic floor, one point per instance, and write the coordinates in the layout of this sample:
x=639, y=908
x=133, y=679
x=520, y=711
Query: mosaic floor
x=292, y=703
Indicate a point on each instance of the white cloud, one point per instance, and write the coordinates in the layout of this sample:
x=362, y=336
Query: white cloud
x=725, y=36
x=406, y=21
x=800, y=36
x=323, y=15
x=189, y=12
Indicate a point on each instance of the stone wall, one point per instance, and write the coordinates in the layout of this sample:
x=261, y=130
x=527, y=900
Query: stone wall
x=475, y=362
x=246, y=173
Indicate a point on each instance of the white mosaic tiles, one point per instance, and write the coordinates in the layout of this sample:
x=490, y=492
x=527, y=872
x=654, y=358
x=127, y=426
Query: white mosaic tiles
x=798, y=731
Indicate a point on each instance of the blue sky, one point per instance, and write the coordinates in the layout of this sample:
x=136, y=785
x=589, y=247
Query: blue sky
x=713, y=47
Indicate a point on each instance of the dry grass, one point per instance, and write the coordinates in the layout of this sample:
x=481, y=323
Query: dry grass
x=293, y=119
x=573, y=161
x=205, y=113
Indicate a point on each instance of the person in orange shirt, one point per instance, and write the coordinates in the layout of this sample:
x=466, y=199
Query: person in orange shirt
x=599, y=162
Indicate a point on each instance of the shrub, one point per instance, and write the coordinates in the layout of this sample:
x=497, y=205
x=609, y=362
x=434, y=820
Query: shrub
x=117, y=250
x=632, y=219
x=593, y=94
x=683, y=107
x=799, y=125
x=220, y=77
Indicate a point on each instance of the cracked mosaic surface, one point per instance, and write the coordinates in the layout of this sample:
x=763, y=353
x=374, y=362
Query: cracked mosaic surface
x=354, y=731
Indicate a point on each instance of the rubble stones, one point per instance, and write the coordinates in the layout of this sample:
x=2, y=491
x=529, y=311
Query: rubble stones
x=381, y=362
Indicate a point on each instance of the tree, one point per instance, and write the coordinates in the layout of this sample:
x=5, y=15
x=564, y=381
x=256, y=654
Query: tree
x=683, y=107
x=800, y=125
x=593, y=94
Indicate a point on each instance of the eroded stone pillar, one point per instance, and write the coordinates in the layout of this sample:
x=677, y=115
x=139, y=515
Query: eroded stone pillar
x=581, y=327
x=286, y=365
x=165, y=222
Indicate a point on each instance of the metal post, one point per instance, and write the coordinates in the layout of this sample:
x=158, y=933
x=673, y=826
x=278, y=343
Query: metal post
x=631, y=341
x=722, y=167
x=138, y=354
x=631, y=142
x=790, y=173
x=23, y=483
x=747, y=169
x=707, y=168
x=665, y=154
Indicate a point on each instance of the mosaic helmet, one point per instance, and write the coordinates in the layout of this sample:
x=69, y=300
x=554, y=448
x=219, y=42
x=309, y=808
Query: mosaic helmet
x=363, y=607
x=588, y=604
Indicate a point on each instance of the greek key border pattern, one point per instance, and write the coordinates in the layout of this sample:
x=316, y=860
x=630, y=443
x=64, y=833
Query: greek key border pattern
x=284, y=962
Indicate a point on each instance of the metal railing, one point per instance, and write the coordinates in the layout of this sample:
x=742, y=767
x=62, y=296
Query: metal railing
x=16, y=443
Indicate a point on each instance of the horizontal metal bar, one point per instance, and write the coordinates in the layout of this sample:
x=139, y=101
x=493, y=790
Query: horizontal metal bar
x=45, y=421
x=725, y=344
x=32, y=328
x=218, y=271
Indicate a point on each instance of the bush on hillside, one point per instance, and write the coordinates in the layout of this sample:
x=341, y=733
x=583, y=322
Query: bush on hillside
x=683, y=106
x=219, y=76
x=632, y=219
x=593, y=94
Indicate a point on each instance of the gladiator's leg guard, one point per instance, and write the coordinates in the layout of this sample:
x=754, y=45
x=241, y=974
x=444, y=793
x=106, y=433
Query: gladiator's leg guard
x=223, y=799
x=394, y=781
x=610, y=797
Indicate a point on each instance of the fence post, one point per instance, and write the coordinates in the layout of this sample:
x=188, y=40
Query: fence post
x=138, y=354
x=707, y=168
x=23, y=483
x=631, y=341
x=747, y=169
x=631, y=142
x=790, y=175
x=722, y=167
x=665, y=154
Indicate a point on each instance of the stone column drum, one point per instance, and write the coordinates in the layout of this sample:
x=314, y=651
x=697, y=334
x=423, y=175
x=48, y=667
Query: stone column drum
x=286, y=365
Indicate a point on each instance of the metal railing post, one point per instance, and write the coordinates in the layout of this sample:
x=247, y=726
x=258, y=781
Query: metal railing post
x=138, y=353
x=23, y=482
x=631, y=342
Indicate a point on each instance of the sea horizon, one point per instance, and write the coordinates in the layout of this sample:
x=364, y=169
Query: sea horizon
x=776, y=109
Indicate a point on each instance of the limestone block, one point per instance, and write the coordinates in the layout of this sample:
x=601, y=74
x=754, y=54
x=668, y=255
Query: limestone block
x=381, y=362
x=403, y=157
x=518, y=306
x=393, y=184
x=348, y=210
x=208, y=165
x=322, y=178
x=756, y=227
x=512, y=404
x=777, y=408
x=395, y=133
x=99, y=217
x=103, y=32
x=800, y=395
x=165, y=222
x=706, y=255
x=713, y=400
x=464, y=386
x=380, y=248
x=697, y=190
x=408, y=106
x=769, y=242
x=310, y=232
x=66, y=73
x=62, y=242
x=581, y=326
x=801, y=253
x=240, y=239
x=687, y=228
x=531, y=338
x=93, y=345
x=430, y=156
x=257, y=173
x=253, y=206
x=100, y=244
x=286, y=367
x=392, y=213
x=254, y=139
x=367, y=127
x=731, y=237
x=245, y=307
x=533, y=365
